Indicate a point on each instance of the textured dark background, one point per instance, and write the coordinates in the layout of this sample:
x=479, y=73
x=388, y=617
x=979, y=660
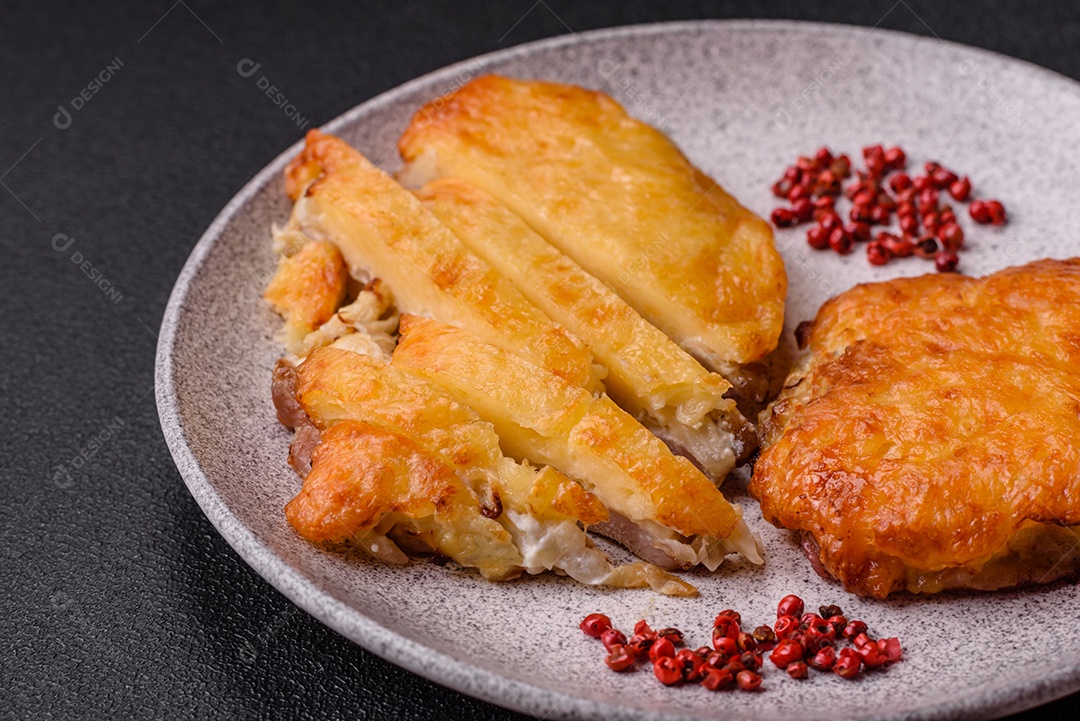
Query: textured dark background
x=117, y=597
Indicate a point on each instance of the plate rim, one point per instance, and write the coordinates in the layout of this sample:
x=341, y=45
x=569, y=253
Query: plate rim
x=351, y=623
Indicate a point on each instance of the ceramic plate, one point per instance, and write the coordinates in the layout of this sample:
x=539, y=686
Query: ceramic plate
x=742, y=99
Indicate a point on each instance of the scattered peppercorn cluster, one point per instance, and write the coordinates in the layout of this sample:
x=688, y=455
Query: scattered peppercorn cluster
x=928, y=228
x=797, y=642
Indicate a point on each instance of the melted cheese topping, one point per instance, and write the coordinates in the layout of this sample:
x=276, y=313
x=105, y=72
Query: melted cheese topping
x=931, y=429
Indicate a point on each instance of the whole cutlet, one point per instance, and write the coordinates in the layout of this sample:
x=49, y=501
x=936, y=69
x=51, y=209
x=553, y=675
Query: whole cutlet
x=929, y=438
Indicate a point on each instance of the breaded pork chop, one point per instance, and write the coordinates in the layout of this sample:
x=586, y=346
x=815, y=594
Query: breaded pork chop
x=930, y=438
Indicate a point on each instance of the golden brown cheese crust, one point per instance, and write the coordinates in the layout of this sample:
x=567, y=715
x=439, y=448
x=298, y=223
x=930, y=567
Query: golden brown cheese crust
x=308, y=287
x=362, y=473
x=647, y=373
x=336, y=385
x=554, y=497
x=383, y=229
x=445, y=449
x=359, y=474
x=541, y=417
x=935, y=420
x=619, y=198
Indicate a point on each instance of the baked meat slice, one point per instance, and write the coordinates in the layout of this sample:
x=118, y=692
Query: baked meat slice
x=650, y=376
x=661, y=506
x=620, y=199
x=384, y=232
x=539, y=511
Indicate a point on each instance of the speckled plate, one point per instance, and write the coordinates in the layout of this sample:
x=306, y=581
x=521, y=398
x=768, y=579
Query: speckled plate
x=742, y=99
